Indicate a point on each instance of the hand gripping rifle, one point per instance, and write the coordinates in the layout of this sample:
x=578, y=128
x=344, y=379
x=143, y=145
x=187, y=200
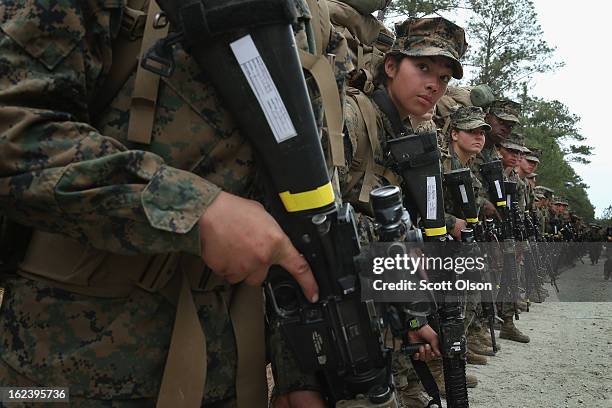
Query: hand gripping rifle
x=459, y=183
x=246, y=48
x=417, y=160
x=493, y=175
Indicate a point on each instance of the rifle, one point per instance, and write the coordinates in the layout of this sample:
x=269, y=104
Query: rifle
x=417, y=160
x=459, y=184
x=500, y=193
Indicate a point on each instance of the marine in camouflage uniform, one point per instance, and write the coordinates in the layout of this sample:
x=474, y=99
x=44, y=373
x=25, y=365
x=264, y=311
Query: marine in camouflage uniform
x=74, y=173
x=515, y=144
x=417, y=37
x=468, y=120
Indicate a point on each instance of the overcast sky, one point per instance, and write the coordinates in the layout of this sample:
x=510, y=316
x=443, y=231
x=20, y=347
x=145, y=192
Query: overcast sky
x=582, y=34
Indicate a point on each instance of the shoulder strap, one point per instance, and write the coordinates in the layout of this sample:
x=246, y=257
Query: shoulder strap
x=144, y=96
x=323, y=75
x=321, y=24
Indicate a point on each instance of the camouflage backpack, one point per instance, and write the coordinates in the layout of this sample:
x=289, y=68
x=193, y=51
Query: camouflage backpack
x=479, y=95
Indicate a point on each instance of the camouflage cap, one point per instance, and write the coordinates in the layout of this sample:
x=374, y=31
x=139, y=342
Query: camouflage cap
x=515, y=141
x=468, y=118
x=428, y=37
x=560, y=201
x=505, y=109
x=532, y=175
x=545, y=191
x=534, y=155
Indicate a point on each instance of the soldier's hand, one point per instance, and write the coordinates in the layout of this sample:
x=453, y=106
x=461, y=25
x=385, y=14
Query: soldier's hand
x=489, y=210
x=459, y=225
x=427, y=335
x=240, y=241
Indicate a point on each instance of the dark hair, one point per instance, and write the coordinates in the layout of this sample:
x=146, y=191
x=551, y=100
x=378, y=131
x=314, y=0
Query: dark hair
x=380, y=75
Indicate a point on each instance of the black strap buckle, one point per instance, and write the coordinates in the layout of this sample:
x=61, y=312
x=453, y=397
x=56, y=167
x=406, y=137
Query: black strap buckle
x=159, y=58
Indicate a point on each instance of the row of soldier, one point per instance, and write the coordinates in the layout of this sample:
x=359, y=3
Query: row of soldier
x=129, y=190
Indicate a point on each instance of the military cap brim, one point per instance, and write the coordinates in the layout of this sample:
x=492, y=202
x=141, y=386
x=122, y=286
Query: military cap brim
x=507, y=117
x=473, y=124
x=456, y=66
x=511, y=145
x=532, y=158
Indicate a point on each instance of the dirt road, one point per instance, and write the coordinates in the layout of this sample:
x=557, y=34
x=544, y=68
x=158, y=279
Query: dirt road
x=568, y=362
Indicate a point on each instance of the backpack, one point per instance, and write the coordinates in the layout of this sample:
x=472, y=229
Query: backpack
x=367, y=38
x=479, y=95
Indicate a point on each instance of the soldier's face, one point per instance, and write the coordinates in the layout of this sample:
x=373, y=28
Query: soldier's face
x=510, y=157
x=500, y=129
x=528, y=166
x=417, y=83
x=469, y=141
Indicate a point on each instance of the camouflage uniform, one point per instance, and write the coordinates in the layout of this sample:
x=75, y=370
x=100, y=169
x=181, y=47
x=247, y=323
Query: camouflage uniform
x=65, y=174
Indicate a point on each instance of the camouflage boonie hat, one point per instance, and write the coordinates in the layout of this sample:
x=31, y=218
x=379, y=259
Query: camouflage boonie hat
x=505, y=109
x=515, y=141
x=545, y=191
x=531, y=175
x=560, y=200
x=468, y=118
x=429, y=37
x=534, y=155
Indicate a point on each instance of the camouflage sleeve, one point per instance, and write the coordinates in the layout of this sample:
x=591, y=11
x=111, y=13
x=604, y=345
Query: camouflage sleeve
x=60, y=174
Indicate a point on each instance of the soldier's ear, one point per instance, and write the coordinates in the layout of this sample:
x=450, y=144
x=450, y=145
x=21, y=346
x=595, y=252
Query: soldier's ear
x=454, y=135
x=390, y=67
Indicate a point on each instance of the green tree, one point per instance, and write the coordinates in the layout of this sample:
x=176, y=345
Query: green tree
x=549, y=126
x=416, y=8
x=507, y=45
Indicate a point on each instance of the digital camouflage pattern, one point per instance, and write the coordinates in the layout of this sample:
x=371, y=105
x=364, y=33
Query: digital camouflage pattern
x=431, y=37
x=534, y=155
x=515, y=141
x=468, y=118
x=62, y=174
x=506, y=109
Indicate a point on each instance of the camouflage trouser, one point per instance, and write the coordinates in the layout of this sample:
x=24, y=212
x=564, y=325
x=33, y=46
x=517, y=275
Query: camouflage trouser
x=109, y=352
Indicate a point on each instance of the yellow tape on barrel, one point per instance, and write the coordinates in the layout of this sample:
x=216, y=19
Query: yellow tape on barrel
x=308, y=200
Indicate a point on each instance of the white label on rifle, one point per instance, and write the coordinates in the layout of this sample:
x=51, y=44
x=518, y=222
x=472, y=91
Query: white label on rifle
x=432, y=198
x=463, y=193
x=498, y=188
x=256, y=72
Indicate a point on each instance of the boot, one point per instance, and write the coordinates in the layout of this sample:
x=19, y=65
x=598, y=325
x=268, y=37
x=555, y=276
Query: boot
x=510, y=332
x=479, y=348
x=471, y=381
x=473, y=358
x=484, y=337
x=412, y=395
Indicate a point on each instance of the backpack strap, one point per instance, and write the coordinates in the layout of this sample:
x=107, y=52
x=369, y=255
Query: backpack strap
x=146, y=85
x=321, y=24
x=322, y=72
x=364, y=165
x=125, y=52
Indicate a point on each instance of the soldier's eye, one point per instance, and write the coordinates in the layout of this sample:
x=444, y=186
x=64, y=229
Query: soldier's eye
x=423, y=66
